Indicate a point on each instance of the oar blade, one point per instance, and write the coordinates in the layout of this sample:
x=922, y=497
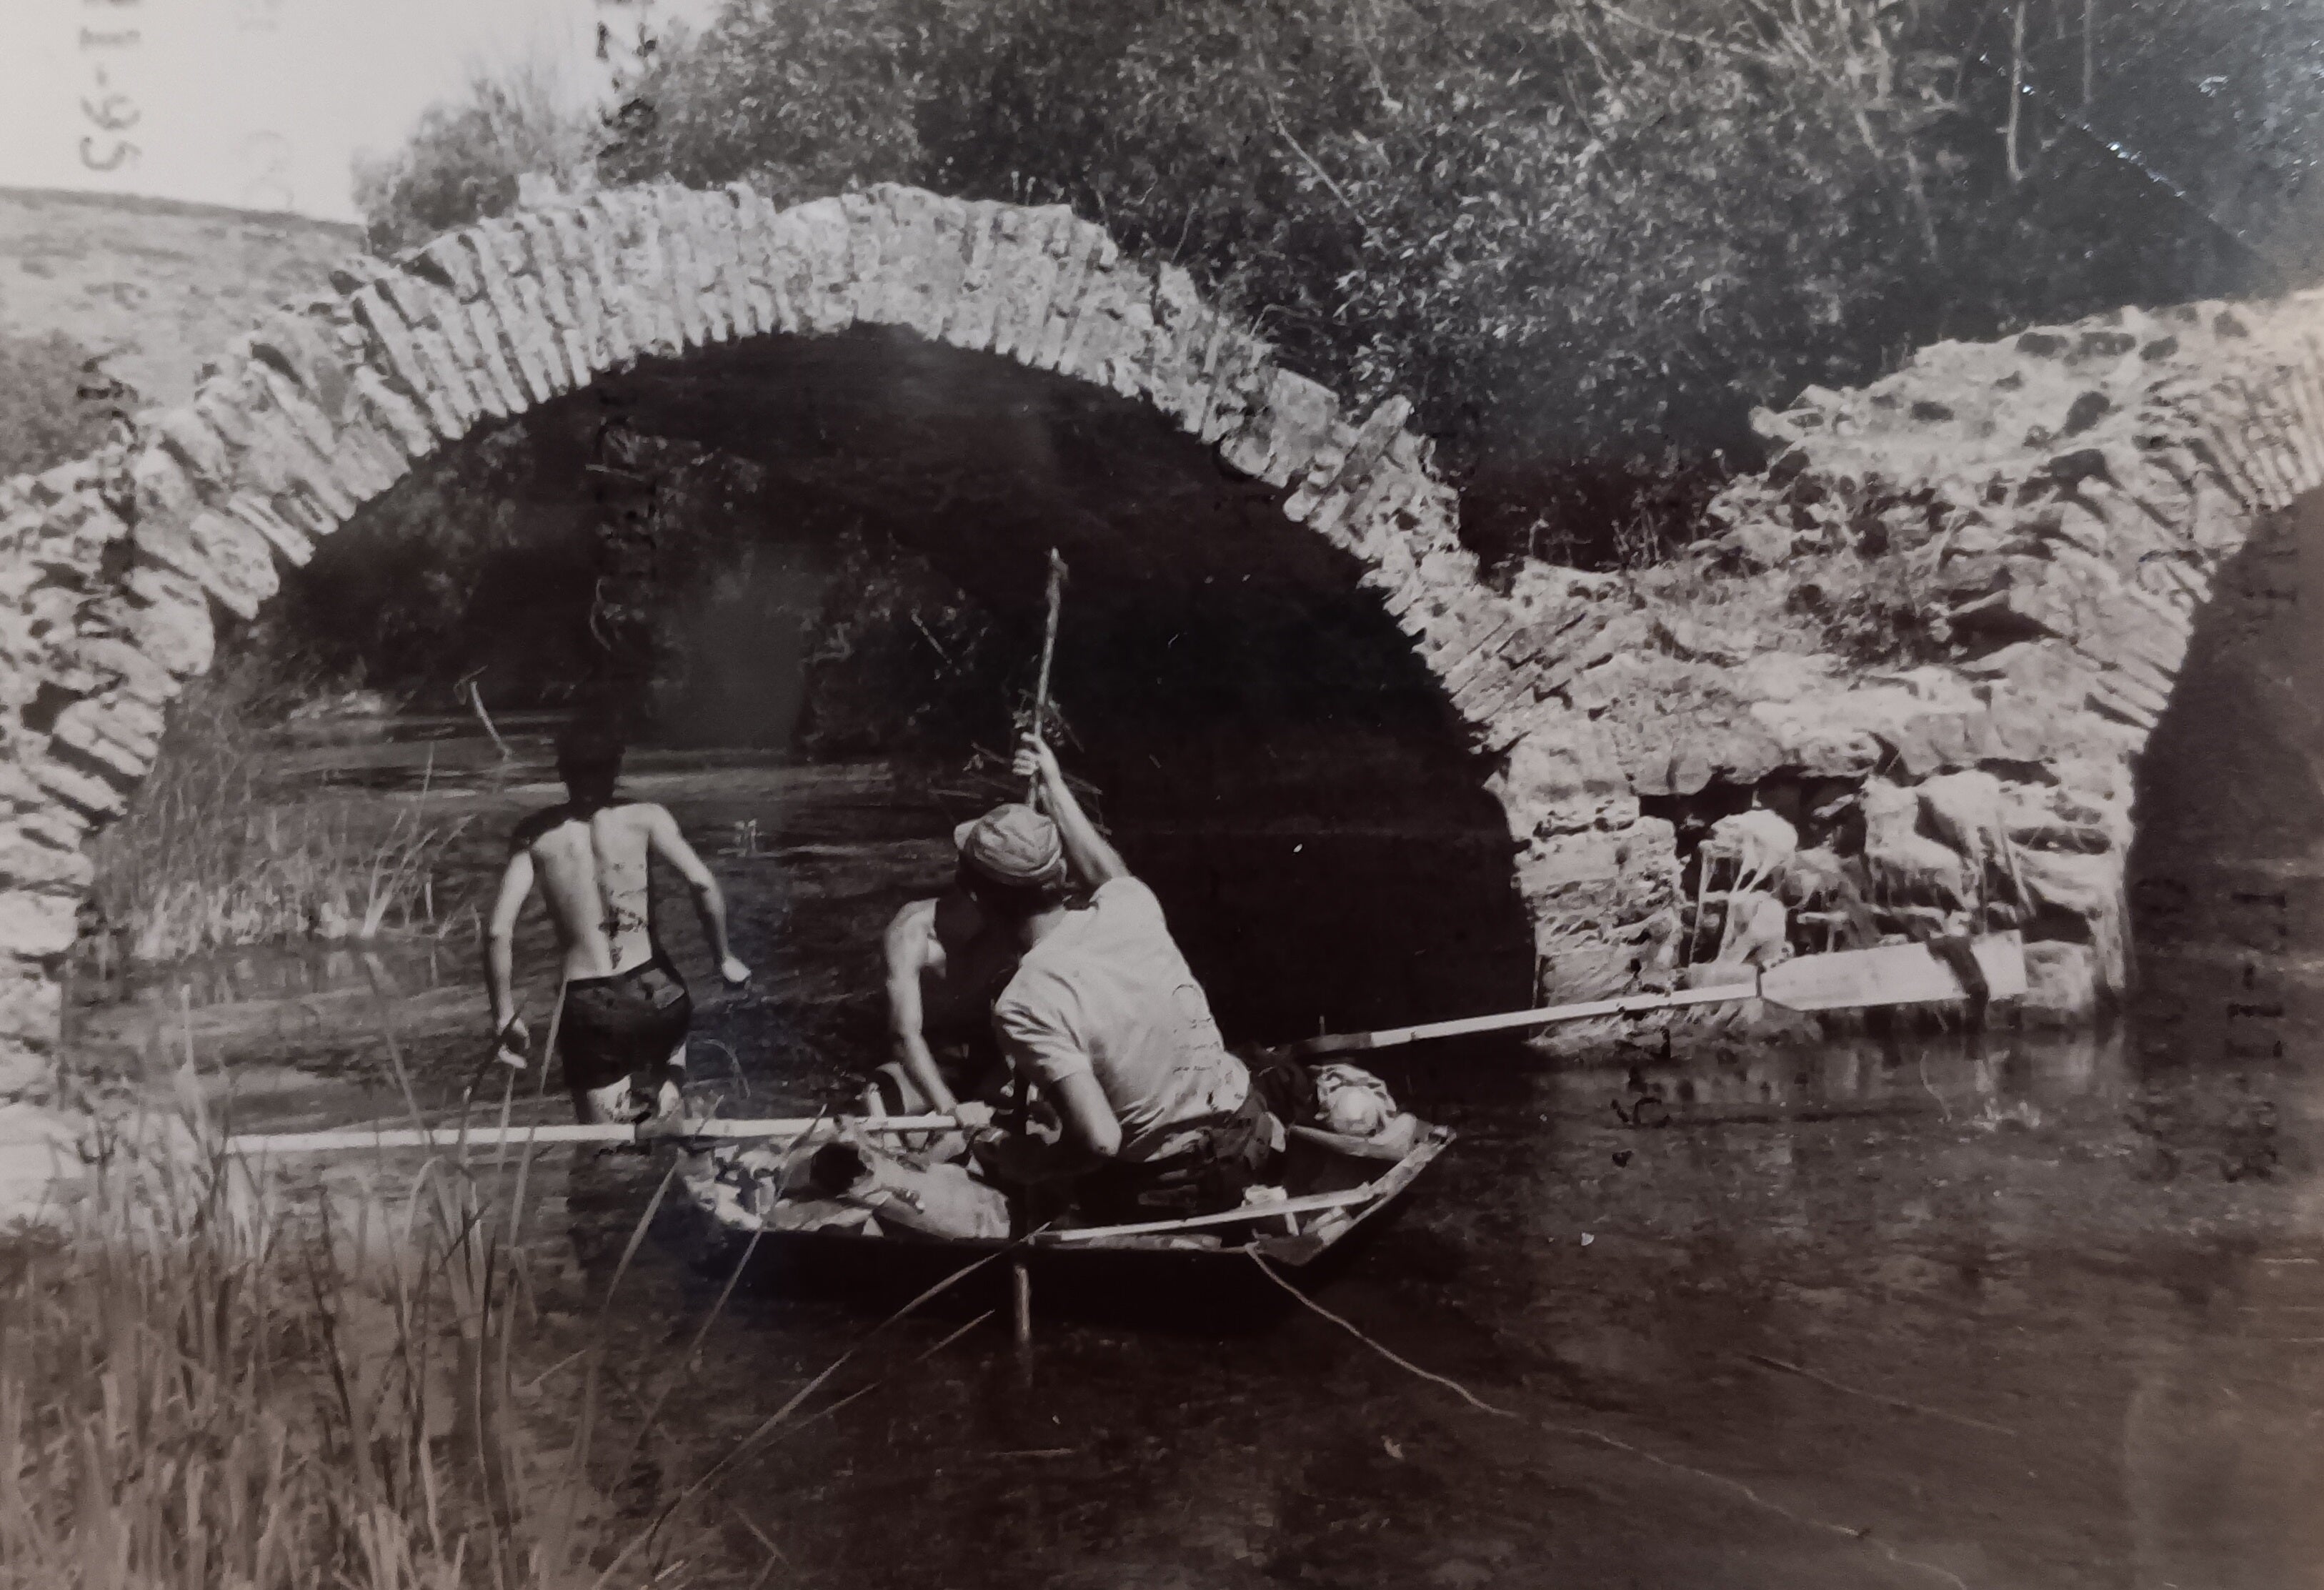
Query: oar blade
x=1892, y=975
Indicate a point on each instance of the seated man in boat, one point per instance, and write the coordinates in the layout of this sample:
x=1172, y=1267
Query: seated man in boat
x=626, y=1009
x=1157, y=1119
x=946, y=962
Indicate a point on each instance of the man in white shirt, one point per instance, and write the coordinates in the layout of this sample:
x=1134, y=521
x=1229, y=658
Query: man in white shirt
x=1156, y=1118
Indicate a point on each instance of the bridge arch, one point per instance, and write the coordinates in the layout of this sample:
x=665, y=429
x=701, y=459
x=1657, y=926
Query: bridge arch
x=124, y=563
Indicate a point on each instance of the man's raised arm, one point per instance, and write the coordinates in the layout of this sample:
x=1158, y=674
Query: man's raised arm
x=1093, y=860
x=708, y=904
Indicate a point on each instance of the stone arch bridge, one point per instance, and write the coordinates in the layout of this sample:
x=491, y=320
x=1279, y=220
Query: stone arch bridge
x=2082, y=488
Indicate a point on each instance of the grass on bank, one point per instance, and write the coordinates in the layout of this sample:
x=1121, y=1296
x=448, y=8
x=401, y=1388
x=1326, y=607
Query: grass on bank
x=206, y=860
x=201, y=877
x=197, y=1389
x=204, y=1382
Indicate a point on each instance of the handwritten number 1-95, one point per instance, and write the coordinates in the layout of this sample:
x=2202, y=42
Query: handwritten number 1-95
x=112, y=112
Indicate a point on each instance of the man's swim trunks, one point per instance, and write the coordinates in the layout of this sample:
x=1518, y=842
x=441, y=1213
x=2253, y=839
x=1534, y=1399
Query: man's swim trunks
x=613, y=1027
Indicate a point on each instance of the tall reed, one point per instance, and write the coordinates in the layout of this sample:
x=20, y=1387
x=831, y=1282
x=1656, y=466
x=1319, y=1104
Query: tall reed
x=199, y=1390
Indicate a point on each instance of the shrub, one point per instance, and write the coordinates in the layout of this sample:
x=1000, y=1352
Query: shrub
x=55, y=403
x=1883, y=610
x=463, y=160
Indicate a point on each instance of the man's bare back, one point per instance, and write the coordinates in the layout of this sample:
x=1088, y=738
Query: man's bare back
x=963, y=965
x=594, y=872
x=625, y=1008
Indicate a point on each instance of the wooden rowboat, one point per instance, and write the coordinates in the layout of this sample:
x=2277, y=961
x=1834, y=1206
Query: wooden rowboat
x=1330, y=1188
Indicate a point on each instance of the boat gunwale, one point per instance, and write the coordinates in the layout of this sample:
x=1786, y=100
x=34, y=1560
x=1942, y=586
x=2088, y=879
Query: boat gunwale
x=1149, y=1237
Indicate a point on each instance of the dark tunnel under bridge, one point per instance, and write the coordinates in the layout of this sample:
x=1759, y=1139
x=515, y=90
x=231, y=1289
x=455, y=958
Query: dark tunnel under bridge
x=1269, y=750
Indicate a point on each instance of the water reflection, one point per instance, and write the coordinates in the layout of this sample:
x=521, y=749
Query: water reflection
x=400, y=967
x=1990, y=1077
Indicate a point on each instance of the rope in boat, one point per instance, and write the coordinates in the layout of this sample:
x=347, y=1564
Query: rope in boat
x=1407, y=1364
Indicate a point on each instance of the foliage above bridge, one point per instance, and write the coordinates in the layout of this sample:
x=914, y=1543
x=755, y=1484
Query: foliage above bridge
x=1584, y=239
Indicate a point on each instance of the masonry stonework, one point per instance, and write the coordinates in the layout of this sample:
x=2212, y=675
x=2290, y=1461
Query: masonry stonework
x=2050, y=509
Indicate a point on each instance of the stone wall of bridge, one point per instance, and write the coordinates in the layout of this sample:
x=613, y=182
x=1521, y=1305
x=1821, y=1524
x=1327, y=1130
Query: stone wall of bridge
x=2036, y=522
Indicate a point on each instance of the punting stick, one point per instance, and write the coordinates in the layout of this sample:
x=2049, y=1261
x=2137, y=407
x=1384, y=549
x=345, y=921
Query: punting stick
x=1020, y=1279
x=1020, y=1292
x=1049, y=655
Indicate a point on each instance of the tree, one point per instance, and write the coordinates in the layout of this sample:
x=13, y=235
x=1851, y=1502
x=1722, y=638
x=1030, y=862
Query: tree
x=1588, y=239
x=463, y=160
x=800, y=97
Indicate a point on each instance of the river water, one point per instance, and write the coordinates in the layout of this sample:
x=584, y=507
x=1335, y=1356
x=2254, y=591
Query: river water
x=2015, y=1310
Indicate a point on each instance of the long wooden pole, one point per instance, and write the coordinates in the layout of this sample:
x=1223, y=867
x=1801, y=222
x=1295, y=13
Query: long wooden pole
x=1338, y=1043
x=1057, y=596
x=1020, y=1299
x=1020, y=1278
x=449, y=1137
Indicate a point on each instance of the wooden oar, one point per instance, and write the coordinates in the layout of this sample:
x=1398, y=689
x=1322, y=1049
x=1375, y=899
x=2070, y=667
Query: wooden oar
x=1897, y=973
x=452, y=1137
x=1848, y=979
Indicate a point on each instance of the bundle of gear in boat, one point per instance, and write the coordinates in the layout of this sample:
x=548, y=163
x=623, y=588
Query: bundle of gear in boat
x=866, y=1186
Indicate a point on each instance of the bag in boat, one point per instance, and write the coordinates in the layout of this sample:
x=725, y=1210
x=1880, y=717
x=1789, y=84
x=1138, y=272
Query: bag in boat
x=856, y=1185
x=932, y=1200
x=1354, y=1111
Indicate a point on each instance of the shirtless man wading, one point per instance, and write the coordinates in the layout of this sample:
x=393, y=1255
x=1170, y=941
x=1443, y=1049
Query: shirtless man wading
x=626, y=1009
